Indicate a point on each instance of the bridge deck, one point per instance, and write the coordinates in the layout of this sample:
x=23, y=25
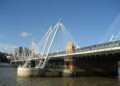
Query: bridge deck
x=110, y=47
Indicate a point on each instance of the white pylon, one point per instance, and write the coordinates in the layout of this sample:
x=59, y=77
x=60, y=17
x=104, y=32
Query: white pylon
x=48, y=41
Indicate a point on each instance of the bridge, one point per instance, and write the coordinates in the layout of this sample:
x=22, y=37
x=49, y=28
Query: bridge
x=98, y=49
x=100, y=59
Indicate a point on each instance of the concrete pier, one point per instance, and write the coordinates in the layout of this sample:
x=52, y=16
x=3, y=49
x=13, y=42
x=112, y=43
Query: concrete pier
x=69, y=64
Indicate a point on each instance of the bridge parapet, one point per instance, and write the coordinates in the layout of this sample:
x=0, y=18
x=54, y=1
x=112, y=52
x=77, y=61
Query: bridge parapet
x=90, y=48
x=100, y=46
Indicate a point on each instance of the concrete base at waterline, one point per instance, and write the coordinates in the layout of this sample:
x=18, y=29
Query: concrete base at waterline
x=67, y=73
x=53, y=74
x=27, y=72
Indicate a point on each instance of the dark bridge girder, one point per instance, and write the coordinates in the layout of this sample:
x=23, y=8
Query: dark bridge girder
x=102, y=65
x=93, y=64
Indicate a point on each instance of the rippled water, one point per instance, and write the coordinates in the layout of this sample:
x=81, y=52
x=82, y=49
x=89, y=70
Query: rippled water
x=8, y=78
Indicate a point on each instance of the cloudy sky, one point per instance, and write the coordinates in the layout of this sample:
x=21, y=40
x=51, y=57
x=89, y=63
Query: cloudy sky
x=89, y=21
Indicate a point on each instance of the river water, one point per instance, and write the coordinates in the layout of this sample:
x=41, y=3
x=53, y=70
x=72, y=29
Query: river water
x=8, y=78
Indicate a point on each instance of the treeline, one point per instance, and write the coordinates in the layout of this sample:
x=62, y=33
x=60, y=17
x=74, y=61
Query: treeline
x=3, y=57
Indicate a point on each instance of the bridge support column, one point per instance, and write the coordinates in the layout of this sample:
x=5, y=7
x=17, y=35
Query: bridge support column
x=69, y=64
x=114, y=69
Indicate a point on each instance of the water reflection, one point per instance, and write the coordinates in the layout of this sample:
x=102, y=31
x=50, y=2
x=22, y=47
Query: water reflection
x=83, y=81
x=8, y=78
x=91, y=81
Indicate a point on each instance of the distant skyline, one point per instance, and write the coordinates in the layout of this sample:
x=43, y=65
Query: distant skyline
x=89, y=21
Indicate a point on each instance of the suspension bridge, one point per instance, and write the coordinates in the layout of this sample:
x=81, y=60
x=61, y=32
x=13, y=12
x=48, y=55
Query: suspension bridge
x=100, y=58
